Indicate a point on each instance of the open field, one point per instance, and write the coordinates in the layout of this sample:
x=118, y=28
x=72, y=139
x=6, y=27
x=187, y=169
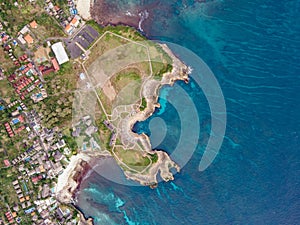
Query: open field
x=160, y=60
x=5, y=62
x=134, y=159
x=107, y=43
x=43, y=32
x=6, y=90
x=42, y=54
x=117, y=69
x=124, y=89
x=7, y=193
x=129, y=94
x=124, y=77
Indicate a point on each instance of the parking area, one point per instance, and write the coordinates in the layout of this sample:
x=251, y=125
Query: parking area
x=73, y=49
x=84, y=38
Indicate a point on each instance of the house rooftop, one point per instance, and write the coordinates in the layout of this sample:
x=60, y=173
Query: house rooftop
x=69, y=28
x=55, y=64
x=74, y=20
x=6, y=162
x=24, y=30
x=28, y=39
x=33, y=24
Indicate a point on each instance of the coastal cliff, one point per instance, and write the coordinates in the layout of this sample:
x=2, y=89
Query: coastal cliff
x=150, y=92
x=69, y=181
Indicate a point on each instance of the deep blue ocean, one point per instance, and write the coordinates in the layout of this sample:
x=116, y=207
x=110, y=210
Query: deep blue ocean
x=253, y=49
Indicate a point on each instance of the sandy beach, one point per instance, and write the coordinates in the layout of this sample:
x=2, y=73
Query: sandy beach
x=69, y=181
x=65, y=178
x=84, y=8
x=79, y=166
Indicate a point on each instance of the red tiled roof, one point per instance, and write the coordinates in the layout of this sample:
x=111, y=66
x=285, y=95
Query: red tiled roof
x=68, y=28
x=8, y=129
x=33, y=24
x=74, y=20
x=21, y=118
x=55, y=64
x=6, y=162
x=20, y=129
x=5, y=38
x=23, y=57
x=47, y=70
x=36, y=179
x=28, y=39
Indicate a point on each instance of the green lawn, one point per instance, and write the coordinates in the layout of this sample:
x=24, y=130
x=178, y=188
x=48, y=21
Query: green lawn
x=134, y=159
x=19, y=16
x=6, y=90
x=45, y=21
x=7, y=192
x=143, y=104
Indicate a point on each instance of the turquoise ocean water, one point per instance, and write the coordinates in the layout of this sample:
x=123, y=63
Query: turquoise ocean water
x=252, y=47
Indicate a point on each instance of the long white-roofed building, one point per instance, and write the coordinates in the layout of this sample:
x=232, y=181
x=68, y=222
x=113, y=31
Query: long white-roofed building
x=60, y=53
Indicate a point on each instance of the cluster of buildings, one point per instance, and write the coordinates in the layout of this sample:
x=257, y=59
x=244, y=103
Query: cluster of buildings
x=7, y=42
x=10, y=216
x=40, y=165
x=68, y=22
x=22, y=193
x=70, y=27
x=25, y=78
x=45, y=152
x=16, y=124
x=25, y=35
x=113, y=137
x=55, y=11
x=60, y=58
x=85, y=128
x=49, y=69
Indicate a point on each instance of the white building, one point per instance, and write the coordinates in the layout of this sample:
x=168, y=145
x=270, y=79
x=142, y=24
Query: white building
x=24, y=30
x=60, y=53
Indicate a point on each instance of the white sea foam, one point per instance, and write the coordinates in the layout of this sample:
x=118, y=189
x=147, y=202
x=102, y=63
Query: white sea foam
x=143, y=15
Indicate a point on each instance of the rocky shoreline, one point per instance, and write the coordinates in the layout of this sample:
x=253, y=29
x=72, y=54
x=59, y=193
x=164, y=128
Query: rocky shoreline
x=150, y=91
x=105, y=13
x=109, y=13
x=69, y=182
